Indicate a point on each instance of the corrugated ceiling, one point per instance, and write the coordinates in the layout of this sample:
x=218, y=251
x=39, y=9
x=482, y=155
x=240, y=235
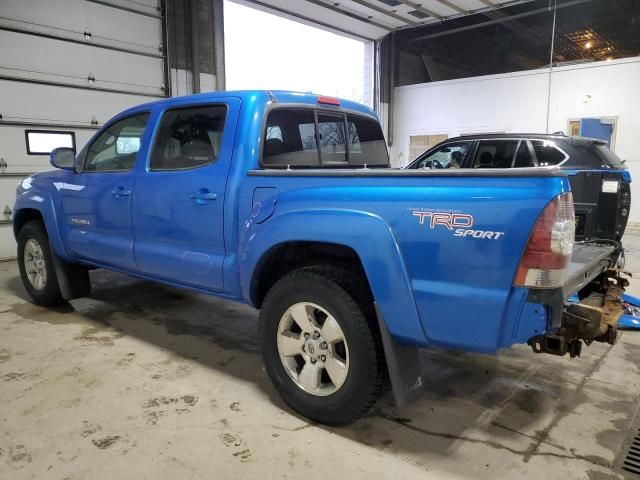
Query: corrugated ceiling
x=373, y=19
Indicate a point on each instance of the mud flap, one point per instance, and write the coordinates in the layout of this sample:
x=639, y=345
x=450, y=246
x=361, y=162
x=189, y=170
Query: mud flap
x=73, y=280
x=403, y=365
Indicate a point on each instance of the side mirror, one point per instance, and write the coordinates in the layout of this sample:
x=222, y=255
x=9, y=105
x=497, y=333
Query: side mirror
x=63, y=157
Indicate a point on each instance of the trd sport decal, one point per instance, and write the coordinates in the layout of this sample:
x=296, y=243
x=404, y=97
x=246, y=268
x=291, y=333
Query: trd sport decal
x=459, y=223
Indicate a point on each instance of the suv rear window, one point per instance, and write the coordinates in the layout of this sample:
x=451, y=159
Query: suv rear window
x=304, y=137
x=547, y=153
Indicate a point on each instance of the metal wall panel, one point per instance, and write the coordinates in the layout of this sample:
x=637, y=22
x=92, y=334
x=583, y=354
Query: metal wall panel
x=72, y=18
x=49, y=49
x=51, y=105
x=14, y=150
x=54, y=60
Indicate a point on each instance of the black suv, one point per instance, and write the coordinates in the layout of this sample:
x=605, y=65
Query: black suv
x=599, y=180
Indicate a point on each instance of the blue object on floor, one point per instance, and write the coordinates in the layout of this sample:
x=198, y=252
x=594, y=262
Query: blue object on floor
x=632, y=317
x=629, y=321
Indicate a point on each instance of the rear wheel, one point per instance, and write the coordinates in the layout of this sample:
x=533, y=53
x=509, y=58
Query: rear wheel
x=320, y=351
x=36, y=265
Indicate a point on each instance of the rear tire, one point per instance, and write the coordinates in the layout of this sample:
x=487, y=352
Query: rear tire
x=35, y=262
x=322, y=355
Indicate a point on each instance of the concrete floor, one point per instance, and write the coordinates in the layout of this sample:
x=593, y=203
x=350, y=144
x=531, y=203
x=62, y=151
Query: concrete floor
x=144, y=381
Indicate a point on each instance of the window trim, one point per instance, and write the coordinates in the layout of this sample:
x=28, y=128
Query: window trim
x=66, y=132
x=158, y=125
x=315, y=109
x=347, y=153
x=106, y=127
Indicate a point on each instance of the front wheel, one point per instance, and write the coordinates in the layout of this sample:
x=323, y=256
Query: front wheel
x=36, y=265
x=319, y=349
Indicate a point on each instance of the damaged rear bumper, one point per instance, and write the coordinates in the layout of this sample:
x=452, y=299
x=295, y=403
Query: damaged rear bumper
x=595, y=317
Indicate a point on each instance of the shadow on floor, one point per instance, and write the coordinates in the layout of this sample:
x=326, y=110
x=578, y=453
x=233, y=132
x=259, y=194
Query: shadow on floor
x=477, y=398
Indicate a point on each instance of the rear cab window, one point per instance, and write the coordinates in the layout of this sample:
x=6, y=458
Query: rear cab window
x=313, y=138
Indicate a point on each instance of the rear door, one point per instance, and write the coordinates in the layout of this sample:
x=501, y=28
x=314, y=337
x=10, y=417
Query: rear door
x=178, y=206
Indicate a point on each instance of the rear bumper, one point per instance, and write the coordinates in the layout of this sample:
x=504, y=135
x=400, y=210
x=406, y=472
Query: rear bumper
x=596, y=316
x=588, y=262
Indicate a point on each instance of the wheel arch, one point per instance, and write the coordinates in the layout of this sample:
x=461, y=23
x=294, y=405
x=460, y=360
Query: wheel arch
x=359, y=240
x=38, y=205
x=23, y=216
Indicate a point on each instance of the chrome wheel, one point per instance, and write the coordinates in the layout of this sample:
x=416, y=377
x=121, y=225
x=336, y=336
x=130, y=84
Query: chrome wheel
x=313, y=349
x=34, y=264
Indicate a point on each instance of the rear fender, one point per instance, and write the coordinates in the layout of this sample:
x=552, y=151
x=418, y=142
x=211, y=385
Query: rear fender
x=367, y=234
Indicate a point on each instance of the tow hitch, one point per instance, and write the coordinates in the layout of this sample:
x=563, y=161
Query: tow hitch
x=594, y=318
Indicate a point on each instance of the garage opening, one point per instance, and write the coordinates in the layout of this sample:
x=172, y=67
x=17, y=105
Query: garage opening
x=286, y=54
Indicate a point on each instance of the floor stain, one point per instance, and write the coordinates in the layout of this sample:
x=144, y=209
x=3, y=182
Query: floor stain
x=12, y=376
x=106, y=340
x=5, y=355
x=156, y=408
x=19, y=457
x=235, y=406
x=89, y=429
x=106, y=442
x=230, y=440
x=243, y=455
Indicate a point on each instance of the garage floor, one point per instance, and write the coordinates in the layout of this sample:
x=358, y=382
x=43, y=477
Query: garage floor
x=145, y=381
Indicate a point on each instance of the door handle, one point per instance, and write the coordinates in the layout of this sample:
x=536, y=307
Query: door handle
x=202, y=196
x=120, y=192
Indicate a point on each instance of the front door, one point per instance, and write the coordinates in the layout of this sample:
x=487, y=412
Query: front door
x=178, y=203
x=96, y=201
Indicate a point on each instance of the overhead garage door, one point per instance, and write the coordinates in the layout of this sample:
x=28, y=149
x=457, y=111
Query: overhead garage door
x=68, y=66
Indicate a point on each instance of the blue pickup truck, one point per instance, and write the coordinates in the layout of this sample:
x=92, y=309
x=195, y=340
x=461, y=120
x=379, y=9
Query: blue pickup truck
x=286, y=201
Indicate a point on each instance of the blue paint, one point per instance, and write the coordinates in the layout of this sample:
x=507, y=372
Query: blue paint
x=594, y=128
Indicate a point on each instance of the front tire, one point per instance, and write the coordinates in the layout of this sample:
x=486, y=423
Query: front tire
x=35, y=263
x=320, y=352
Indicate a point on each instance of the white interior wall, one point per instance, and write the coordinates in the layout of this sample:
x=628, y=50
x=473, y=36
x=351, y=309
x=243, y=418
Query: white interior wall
x=517, y=102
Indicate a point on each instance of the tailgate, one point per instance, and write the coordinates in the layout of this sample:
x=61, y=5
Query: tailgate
x=589, y=260
x=602, y=202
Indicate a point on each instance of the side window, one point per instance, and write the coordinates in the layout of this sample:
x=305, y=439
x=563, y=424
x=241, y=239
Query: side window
x=523, y=157
x=447, y=156
x=547, y=153
x=495, y=154
x=116, y=148
x=333, y=142
x=296, y=143
x=366, y=142
x=188, y=138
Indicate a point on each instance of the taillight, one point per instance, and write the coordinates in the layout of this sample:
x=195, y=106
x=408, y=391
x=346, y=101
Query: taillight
x=545, y=259
x=328, y=100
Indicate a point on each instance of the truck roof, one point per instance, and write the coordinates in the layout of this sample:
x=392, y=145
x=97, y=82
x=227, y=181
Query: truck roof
x=276, y=96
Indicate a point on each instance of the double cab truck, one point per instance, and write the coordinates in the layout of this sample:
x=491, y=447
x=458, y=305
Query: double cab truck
x=286, y=201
